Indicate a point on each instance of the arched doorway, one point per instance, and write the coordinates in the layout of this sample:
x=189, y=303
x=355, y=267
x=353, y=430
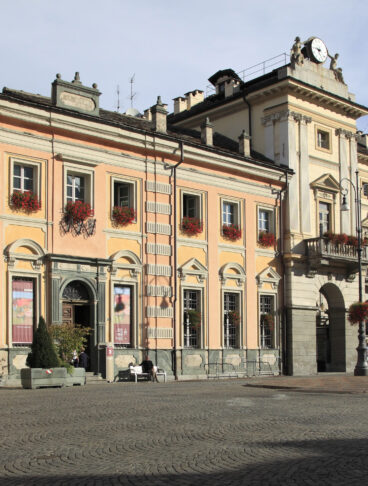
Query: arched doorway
x=77, y=309
x=330, y=330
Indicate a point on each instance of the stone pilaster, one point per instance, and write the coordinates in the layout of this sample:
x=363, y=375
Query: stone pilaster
x=289, y=157
x=345, y=216
x=353, y=167
x=268, y=122
x=304, y=175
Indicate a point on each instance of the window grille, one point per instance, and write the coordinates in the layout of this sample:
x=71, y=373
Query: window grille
x=266, y=308
x=231, y=305
x=191, y=331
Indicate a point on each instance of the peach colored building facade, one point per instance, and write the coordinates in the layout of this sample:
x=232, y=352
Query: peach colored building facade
x=166, y=256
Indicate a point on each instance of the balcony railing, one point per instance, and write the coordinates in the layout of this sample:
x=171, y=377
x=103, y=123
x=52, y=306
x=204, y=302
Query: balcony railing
x=324, y=248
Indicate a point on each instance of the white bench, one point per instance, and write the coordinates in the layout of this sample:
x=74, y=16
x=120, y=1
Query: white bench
x=137, y=372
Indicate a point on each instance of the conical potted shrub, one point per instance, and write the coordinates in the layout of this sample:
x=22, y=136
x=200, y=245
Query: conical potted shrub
x=43, y=362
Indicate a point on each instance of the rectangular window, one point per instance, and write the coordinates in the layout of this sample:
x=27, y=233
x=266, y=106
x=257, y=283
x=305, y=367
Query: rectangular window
x=231, y=319
x=324, y=210
x=123, y=194
x=323, y=139
x=23, y=178
x=365, y=189
x=123, y=315
x=264, y=221
x=230, y=213
x=75, y=188
x=78, y=184
x=191, y=206
x=23, y=310
x=192, y=318
x=267, y=320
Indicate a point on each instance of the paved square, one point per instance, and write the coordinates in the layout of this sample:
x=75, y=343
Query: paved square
x=204, y=433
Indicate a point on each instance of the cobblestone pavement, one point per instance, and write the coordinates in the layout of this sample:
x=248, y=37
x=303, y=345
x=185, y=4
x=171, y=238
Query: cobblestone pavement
x=197, y=433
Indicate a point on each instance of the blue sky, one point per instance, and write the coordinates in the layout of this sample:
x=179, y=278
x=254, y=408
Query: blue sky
x=171, y=46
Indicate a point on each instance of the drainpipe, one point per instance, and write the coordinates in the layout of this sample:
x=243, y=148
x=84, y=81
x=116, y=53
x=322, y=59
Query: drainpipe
x=249, y=117
x=97, y=331
x=284, y=319
x=173, y=174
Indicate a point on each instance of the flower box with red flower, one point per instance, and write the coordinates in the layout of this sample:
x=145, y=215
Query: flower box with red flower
x=123, y=215
x=77, y=211
x=266, y=239
x=352, y=240
x=231, y=232
x=358, y=312
x=25, y=201
x=194, y=317
x=268, y=320
x=191, y=226
x=234, y=318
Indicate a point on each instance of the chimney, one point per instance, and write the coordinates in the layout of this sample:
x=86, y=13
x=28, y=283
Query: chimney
x=147, y=114
x=207, y=132
x=193, y=98
x=244, y=144
x=180, y=104
x=159, y=114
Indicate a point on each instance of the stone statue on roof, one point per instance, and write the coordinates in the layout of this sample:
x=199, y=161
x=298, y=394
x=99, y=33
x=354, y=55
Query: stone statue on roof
x=296, y=55
x=333, y=66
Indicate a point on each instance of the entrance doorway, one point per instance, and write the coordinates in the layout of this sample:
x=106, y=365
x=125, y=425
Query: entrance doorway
x=330, y=330
x=77, y=310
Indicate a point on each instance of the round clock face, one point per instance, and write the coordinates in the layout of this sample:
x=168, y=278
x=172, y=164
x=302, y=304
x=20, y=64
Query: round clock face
x=319, y=50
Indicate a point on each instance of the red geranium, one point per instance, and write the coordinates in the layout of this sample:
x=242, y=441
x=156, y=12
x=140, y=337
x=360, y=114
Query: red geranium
x=25, y=201
x=78, y=211
x=122, y=215
x=352, y=240
x=234, y=318
x=266, y=239
x=268, y=320
x=358, y=312
x=231, y=232
x=191, y=226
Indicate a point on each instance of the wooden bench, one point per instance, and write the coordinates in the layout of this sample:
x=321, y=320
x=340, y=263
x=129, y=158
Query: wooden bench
x=137, y=372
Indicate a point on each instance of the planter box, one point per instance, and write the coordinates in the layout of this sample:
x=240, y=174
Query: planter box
x=38, y=378
x=78, y=377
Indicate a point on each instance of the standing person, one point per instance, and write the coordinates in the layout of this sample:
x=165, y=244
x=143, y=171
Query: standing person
x=75, y=359
x=83, y=359
x=147, y=367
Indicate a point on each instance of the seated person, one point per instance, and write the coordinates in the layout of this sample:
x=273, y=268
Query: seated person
x=147, y=367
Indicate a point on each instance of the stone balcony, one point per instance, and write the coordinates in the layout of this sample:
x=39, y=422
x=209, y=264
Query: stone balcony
x=321, y=252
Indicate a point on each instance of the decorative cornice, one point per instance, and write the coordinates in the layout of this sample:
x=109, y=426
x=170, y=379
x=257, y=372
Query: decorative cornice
x=343, y=133
x=285, y=115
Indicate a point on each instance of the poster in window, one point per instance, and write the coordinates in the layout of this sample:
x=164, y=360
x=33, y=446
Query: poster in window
x=23, y=311
x=122, y=314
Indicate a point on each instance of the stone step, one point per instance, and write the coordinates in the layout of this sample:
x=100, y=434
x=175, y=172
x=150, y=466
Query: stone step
x=94, y=378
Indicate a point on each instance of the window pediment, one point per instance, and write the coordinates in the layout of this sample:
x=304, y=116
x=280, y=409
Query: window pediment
x=193, y=267
x=326, y=183
x=268, y=275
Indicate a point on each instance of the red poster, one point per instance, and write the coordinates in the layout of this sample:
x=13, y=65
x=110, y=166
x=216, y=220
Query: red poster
x=23, y=315
x=122, y=314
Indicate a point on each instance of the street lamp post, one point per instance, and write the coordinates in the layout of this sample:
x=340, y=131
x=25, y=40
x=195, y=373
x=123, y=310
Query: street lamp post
x=361, y=367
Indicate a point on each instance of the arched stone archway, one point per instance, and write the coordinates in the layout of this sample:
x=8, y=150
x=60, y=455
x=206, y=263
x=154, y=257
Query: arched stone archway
x=331, y=331
x=78, y=309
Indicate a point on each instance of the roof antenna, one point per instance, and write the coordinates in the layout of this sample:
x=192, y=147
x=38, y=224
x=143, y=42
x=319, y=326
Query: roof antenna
x=118, y=95
x=131, y=90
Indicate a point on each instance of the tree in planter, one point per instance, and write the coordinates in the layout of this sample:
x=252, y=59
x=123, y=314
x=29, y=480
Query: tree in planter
x=43, y=354
x=69, y=337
